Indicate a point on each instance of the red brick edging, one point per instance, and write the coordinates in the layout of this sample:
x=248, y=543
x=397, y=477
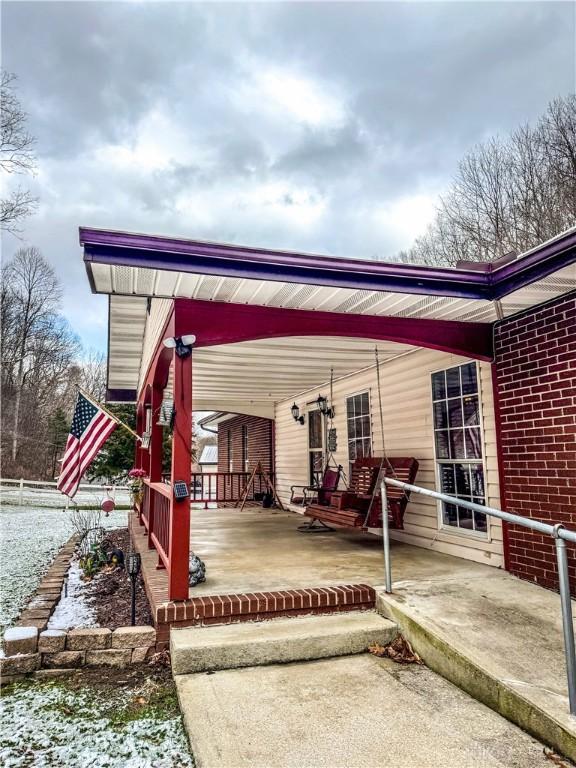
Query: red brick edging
x=259, y=606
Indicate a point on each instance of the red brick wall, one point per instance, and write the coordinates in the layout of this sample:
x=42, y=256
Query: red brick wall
x=259, y=443
x=535, y=368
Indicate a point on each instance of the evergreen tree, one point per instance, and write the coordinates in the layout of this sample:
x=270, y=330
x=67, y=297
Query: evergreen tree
x=117, y=455
x=58, y=428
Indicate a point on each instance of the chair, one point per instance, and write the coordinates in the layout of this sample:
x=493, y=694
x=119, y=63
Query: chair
x=360, y=506
x=313, y=493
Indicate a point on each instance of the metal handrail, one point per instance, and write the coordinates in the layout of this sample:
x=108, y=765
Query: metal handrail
x=558, y=532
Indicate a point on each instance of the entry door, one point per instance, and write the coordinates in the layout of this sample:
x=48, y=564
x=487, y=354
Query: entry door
x=315, y=447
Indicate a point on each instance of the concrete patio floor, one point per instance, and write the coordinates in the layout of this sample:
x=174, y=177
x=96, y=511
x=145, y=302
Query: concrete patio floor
x=261, y=550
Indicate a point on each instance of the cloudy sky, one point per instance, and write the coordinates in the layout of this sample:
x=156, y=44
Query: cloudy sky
x=324, y=127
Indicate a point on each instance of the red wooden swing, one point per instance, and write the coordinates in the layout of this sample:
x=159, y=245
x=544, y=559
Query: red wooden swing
x=360, y=506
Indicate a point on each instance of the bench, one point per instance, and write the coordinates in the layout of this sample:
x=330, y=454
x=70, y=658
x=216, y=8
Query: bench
x=360, y=506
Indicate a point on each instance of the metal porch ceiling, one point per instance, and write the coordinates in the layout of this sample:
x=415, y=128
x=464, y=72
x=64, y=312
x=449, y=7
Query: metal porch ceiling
x=132, y=268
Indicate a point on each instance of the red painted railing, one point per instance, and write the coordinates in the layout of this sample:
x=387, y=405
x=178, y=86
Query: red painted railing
x=223, y=487
x=160, y=522
x=155, y=516
x=144, y=508
x=206, y=488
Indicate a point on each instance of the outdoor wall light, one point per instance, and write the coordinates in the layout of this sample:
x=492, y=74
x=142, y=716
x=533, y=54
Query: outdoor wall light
x=296, y=414
x=182, y=344
x=322, y=405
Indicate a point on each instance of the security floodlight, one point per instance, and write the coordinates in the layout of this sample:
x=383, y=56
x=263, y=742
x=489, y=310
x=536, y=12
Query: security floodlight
x=182, y=344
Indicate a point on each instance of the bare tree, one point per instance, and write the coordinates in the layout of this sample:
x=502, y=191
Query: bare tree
x=37, y=345
x=508, y=194
x=17, y=154
x=93, y=375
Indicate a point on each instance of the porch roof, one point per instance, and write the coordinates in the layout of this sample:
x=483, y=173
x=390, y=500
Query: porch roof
x=131, y=268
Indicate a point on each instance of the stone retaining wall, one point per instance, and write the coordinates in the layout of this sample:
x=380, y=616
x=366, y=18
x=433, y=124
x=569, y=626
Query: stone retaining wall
x=27, y=651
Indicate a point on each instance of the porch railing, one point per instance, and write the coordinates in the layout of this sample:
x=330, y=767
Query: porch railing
x=206, y=488
x=155, y=517
x=223, y=487
x=558, y=532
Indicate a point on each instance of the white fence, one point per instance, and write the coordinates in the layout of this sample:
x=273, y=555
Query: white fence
x=39, y=493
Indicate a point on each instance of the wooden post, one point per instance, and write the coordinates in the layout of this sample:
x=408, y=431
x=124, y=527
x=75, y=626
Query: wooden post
x=139, y=430
x=154, y=457
x=179, y=547
x=156, y=437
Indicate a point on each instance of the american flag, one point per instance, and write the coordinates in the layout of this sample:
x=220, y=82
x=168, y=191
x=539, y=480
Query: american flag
x=90, y=429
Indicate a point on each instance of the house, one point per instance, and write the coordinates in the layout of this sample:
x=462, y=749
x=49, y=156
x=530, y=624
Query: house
x=243, y=441
x=476, y=379
x=208, y=461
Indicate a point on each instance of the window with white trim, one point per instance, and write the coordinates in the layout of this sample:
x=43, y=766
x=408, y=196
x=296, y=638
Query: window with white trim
x=229, y=448
x=359, y=427
x=458, y=444
x=245, y=447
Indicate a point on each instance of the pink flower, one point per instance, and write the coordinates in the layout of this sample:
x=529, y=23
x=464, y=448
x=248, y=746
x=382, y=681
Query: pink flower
x=137, y=473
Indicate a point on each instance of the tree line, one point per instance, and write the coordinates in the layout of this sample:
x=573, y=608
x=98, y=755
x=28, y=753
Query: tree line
x=43, y=364
x=508, y=194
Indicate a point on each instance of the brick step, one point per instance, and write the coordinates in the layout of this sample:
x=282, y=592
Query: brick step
x=252, y=644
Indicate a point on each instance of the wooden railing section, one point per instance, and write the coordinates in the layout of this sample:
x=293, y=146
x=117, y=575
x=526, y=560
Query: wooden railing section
x=155, y=517
x=155, y=508
x=159, y=531
x=225, y=487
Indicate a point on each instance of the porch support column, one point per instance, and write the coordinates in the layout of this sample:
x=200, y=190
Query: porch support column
x=139, y=430
x=179, y=541
x=154, y=458
x=156, y=437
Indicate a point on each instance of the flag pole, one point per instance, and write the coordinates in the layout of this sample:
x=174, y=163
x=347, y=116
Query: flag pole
x=109, y=413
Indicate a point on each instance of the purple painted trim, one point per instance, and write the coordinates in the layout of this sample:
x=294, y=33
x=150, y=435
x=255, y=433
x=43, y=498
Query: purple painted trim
x=343, y=278
x=535, y=265
x=121, y=395
x=255, y=263
x=155, y=252
x=107, y=345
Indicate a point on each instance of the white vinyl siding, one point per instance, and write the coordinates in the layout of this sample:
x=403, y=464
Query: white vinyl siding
x=408, y=426
x=155, y=322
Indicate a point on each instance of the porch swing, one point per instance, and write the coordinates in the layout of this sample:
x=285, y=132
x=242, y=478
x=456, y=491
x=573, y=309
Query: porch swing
x=360, y=505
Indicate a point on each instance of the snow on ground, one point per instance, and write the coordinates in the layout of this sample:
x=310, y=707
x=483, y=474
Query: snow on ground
x=46, y=726
x=73, y=610
x=30, y=537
